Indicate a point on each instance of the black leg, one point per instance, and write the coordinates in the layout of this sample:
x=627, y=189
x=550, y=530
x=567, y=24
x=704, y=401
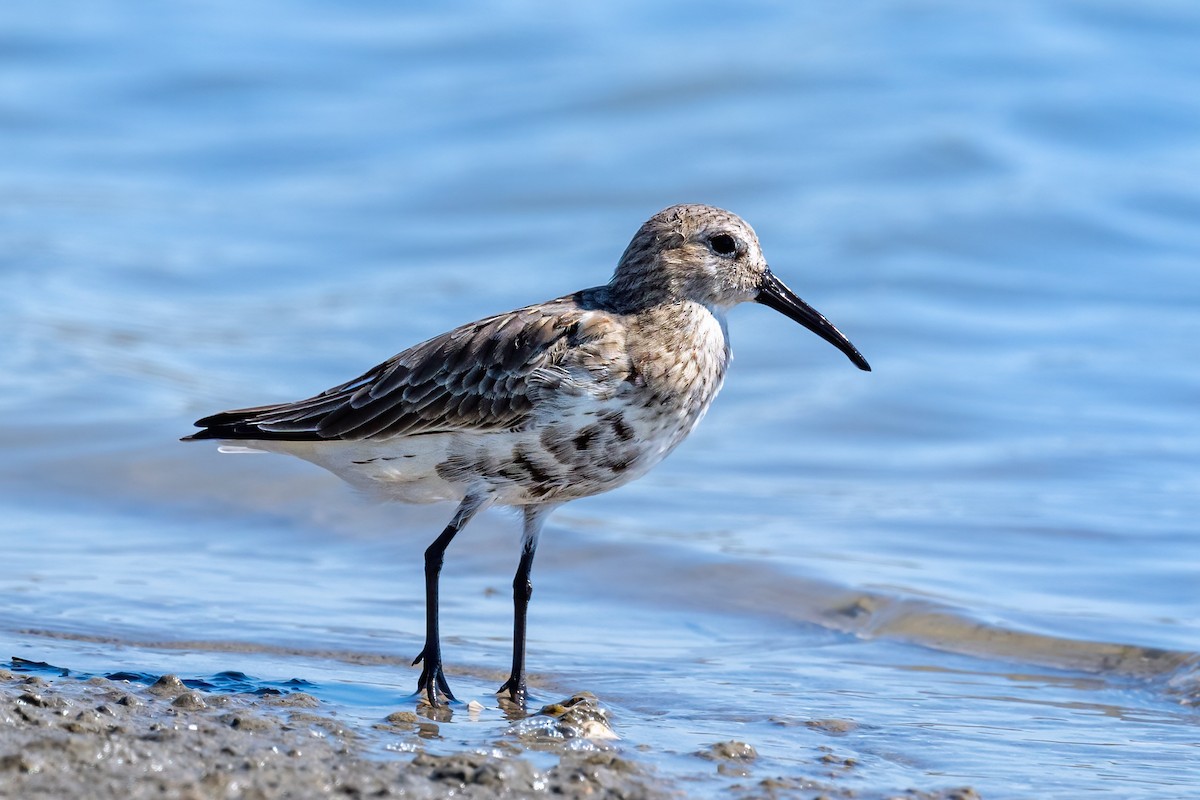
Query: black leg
x=432, y=678
x=522, y=591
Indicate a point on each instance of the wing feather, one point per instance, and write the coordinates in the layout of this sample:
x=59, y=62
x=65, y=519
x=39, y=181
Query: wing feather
x=478, y=377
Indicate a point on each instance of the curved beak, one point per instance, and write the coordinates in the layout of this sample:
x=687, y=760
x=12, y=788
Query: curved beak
x=773, y=294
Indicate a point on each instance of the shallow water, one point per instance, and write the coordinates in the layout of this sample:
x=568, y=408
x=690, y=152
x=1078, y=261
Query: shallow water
x=982, y=555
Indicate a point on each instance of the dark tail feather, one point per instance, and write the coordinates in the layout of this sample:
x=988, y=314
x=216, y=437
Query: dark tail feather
x=242, y=423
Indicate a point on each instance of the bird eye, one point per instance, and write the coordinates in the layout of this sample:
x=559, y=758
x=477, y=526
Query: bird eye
x=723, y=245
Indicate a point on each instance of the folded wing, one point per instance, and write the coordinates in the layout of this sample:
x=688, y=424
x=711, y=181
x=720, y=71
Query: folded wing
x=479, y=377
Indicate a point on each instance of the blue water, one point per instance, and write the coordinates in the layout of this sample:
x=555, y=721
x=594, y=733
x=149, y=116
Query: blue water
x=984, y=553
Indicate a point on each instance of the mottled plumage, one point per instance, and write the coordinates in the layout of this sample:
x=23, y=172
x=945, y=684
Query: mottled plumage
x=541, y=405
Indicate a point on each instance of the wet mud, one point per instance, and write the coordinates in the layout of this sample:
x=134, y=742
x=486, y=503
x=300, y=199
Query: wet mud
x=128, y=736
x=103, y=738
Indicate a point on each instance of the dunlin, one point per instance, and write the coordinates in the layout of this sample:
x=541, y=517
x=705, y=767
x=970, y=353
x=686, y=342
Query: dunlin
x=545, y=404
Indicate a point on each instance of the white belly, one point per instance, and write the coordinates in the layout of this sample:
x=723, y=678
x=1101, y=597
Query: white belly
x=403, y=469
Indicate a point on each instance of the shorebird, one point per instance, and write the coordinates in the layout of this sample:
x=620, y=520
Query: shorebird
x=541, y=405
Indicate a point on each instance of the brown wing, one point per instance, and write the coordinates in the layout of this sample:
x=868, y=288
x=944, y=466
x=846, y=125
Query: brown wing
x=477, y=377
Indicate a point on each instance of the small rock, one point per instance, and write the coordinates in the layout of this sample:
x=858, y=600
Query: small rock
x=579, y=717
x=729, y=751
x=834, y=727
x=293, y=700
x=189, y=701
x=732, y=769
x=839, y=761
x=31, y=699
x=402, y=718
x=167, y=686
x=251, y=723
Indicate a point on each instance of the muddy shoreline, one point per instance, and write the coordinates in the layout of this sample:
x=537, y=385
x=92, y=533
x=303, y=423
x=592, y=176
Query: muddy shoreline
x=102, y=738
x=118, y=739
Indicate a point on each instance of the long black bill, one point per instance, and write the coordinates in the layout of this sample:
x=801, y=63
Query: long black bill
x=774, y=294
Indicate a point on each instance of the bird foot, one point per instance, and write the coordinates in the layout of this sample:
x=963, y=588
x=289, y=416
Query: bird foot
x=517, y=693
x=432, y=679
